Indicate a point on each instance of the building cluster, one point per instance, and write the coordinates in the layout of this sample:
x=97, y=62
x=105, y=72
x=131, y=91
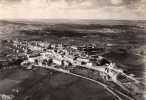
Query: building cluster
x=66, y=56
x=63, y=56
x=58, y=52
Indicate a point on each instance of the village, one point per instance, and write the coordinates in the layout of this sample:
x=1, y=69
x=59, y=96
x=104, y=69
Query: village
x=40, y=54
x=78, y=61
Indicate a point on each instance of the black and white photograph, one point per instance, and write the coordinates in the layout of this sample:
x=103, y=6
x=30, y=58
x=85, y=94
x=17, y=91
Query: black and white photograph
x=72, y=49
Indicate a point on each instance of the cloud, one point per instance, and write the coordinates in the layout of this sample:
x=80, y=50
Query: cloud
x=116, y=2
x=73, y=9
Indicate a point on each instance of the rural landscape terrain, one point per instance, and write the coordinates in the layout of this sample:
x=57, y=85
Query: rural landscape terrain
x=120, y=42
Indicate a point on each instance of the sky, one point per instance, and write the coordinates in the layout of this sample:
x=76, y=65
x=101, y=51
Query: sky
x=73, y=9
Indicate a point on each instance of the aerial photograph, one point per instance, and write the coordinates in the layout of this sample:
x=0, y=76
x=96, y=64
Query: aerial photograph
x=72, y=49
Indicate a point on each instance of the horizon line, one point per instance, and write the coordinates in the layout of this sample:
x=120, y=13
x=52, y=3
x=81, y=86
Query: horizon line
x=29, y=19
